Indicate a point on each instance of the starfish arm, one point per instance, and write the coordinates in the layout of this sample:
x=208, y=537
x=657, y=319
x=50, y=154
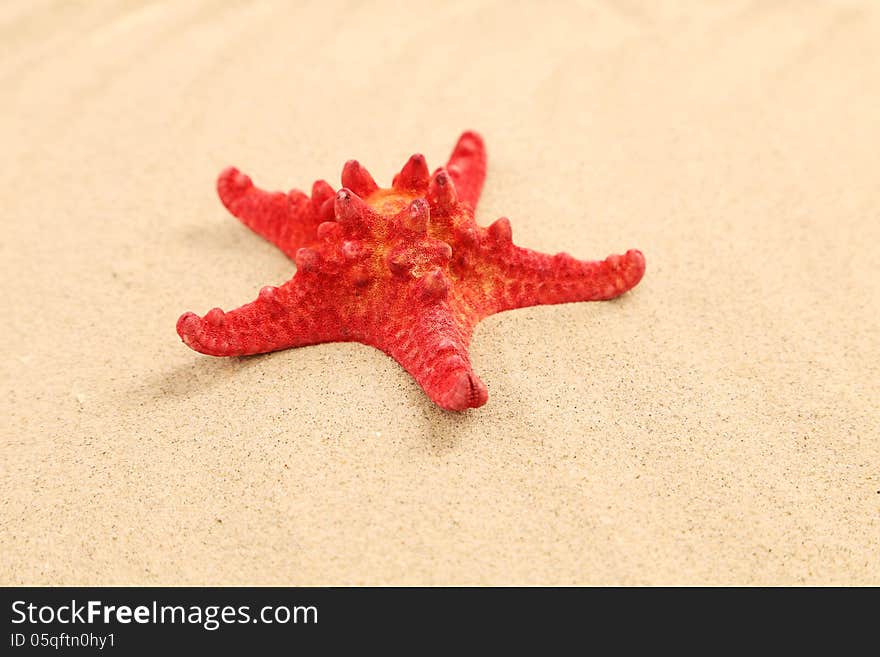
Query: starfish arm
x=289, y=220
x=434, y=350
x=467, y=167
x=292, y=315
x=529, y=278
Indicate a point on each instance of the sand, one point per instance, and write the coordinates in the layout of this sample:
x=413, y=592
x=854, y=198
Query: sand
x=718, y=425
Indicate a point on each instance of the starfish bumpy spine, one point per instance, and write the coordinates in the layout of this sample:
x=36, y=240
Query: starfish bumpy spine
x=404, y=269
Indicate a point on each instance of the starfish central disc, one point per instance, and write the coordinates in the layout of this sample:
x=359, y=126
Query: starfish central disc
x=389, y=201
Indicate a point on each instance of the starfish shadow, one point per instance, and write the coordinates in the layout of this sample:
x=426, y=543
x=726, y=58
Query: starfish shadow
x=200, y=374
x=441, y=430
x=222, y=236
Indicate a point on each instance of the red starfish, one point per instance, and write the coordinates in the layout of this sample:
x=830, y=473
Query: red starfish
x=406, y=270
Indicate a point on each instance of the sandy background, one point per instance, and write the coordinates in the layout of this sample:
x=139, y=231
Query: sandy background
x=719, y=424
